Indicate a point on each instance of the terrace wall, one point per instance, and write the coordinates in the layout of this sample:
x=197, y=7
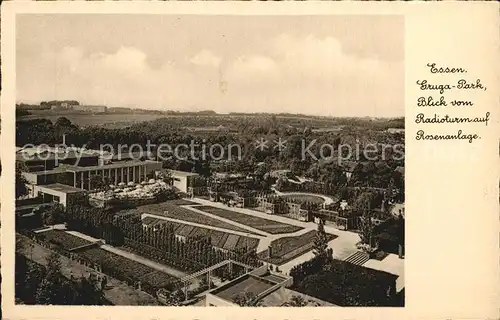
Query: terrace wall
x=212, y=300
x=260, y=271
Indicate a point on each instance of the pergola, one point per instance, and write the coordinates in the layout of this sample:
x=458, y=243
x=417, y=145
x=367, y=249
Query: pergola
x=208, y=271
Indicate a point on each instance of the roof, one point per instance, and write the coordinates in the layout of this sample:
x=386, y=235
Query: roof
x=61, y=188
x=133, y=155
x=49, y=155
x=183, y=173
x=245, y=284
x=47, y=172
x=123, y=164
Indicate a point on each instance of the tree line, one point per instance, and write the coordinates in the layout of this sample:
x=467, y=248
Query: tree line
x=45, y=285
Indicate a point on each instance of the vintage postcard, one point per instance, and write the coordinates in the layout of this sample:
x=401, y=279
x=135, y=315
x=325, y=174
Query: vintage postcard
x=163, y=159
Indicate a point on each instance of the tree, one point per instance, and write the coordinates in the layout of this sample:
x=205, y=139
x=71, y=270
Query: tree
x=363, y=203
x=296, y=301
x=47, y=292
x=88, y=294
x=366, y=229
x=166, y=176
x=281, y=183
x=98, y=182
x=53, y=215
x=21, y=184
x=174, y=298
x=320, y=241
x=246, y=299
x=62, y=126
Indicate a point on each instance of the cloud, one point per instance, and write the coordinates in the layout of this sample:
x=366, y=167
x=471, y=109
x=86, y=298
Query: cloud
x=252, y=68
x=285, y=74
x=206, y=58
x=314, y=75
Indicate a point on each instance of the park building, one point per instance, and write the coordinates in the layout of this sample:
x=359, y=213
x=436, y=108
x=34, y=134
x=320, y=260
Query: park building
x=60, y=172
x=90, y=108
x=182, y=180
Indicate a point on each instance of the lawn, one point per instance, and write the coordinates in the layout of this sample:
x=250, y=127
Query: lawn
x=219, y=239
x=182, y=202
x=288, y=248
x=269, y=226
x=304, y=198
x=171, y=209
x=62, y=239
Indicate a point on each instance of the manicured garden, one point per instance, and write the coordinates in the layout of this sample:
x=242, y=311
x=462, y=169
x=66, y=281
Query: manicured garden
x=171, y=209
x=126, y=269
x=287, y=248
x=218, y=239
x=266, y=225
x=303, y=198
x=62, y=239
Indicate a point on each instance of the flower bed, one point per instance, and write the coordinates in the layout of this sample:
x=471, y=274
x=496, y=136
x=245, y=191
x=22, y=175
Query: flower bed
x=128, y=270
x=301, y=198
x=217, y=238
x=270, y=226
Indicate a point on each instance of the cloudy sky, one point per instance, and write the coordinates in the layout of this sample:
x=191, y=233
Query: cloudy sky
x=321, y=65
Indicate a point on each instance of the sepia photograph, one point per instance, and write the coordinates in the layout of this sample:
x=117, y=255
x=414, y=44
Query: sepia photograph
x=210, y=160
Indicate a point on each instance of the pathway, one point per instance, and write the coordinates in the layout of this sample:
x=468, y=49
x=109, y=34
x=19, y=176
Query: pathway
x=241, y=225
x=391, y=264
x=152, y=264
x=43, y=229
x=200, y=225
x=264, y=241
x=343, y=246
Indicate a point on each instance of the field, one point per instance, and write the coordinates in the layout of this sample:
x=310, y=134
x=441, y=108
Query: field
x=218, y=239
x=171, y=210
x=62, y=239
x=127, y=268
x=85, y=119
x=287, y=248
x=304, y=198
x=269, y=226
